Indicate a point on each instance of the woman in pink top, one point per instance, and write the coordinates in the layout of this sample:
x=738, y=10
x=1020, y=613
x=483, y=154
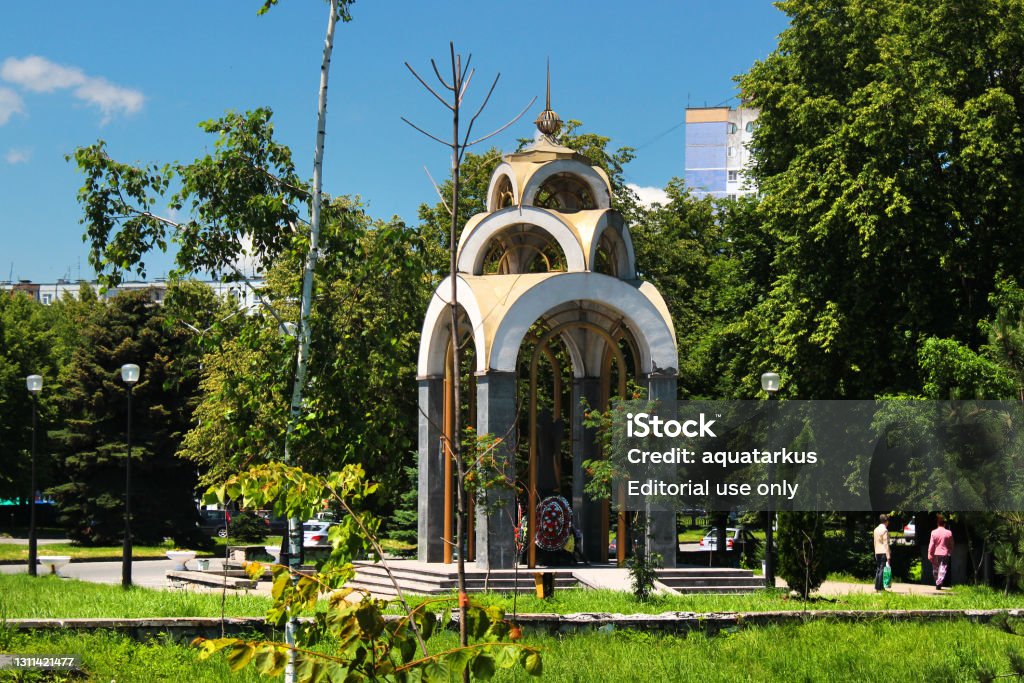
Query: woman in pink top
x=940, y=549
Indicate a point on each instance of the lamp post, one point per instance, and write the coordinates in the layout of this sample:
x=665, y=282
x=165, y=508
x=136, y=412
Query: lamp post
x=770, y=383
x=130, y=375
x=34, y=384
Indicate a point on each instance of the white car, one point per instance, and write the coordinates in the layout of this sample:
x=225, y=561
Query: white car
x=710, y=540
x=314, y=534
x=910, y=531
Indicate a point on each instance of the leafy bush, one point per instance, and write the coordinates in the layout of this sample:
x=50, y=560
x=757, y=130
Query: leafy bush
x=247, y=527
x=801, y=548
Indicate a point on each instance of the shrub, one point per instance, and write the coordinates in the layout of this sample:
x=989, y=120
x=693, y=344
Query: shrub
x=801, y=548
x=247, y=528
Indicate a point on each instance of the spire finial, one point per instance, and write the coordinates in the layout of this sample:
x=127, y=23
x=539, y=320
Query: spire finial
x=548, y=122
x=547, y=100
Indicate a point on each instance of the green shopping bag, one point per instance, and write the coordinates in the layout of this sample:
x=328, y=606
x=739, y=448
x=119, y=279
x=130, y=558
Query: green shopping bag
x=887, y=575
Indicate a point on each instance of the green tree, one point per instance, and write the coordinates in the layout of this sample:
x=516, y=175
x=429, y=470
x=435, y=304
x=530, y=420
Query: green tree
x=91, y=450
x=360, y=405
x=26, y=348
x=801, y=550
x=889, y=158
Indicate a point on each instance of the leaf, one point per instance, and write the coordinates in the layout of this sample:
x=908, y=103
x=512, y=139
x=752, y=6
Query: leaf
x=208, y=646
x=532, y=663
x=280, y=584
x=240, y=654
x=483, y=666
x=476, y=622
x=270, y=660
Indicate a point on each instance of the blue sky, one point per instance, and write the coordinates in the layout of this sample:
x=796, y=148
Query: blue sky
x=141, y=75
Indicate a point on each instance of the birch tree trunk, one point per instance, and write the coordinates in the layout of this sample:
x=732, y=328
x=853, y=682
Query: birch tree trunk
x=302, y=359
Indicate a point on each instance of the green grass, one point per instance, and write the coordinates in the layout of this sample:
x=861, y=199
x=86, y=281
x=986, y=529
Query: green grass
x=812, y=652
x=879, y=651
x=109, y=657
x=44, y=597
x=10, y=552
x=582, y=600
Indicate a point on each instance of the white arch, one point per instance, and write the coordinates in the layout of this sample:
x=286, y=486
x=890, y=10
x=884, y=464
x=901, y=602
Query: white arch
x=504, y=170
x=434, y=336
x=652, y=330
x=595, y=181
x=473, y=249
x=617, y=230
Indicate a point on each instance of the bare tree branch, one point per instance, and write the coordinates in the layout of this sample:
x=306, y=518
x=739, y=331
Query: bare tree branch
x=429, y=89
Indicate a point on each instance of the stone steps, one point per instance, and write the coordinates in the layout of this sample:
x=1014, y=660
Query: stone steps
x=710, y=580
x=438, y=581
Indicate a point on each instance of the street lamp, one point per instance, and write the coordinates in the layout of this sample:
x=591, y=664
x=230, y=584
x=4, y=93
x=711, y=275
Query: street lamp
x=770, y=383
x=130, y=375
x=34, y=384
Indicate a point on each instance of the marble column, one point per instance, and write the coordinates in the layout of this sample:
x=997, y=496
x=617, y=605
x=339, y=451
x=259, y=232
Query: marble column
x=497, y=414
x=430, y=525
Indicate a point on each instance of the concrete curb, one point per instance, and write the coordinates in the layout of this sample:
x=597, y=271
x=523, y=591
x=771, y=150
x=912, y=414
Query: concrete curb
x=185, y=629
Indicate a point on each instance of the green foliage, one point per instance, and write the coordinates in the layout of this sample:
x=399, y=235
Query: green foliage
x=363, y=644
x=245, y=190
x=247, y=527
x=402, y=525
x=27, y=340
x=91, y=450
x=643, y=573
x=365, y=326
x=889, y=160
x=801, y=551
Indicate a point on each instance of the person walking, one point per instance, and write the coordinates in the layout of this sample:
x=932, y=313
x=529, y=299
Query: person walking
x=882, y=552
x=940, y=550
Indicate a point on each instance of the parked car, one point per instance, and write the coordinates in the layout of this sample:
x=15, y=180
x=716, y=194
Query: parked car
x=314, y=534
x=214, y=522
x=910, y=531
x=733, y=536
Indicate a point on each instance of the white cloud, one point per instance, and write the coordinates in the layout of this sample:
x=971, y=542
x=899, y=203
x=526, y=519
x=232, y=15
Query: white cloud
x=18, y=156
x=10, y=104
x=649, y=195
x=38, y=74
x=110, y=98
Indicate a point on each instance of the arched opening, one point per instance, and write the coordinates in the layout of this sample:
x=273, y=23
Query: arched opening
x=565, y=192
x=504, y=196
x=571, y=359
x=606, y=259
x=523, y=249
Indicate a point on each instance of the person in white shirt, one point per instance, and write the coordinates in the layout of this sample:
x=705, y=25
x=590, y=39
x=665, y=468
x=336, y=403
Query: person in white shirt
x=882, y=552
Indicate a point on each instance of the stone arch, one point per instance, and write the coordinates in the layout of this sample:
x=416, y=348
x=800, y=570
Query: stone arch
x=654, y=336
x=587, y=175
x=432, y=353
x=502, y=179
x=611, y=234
x=473, y=249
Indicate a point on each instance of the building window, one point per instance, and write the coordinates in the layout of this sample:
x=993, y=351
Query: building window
x=728, y=196
x=749, y=127
x=732, y=152
x=731, y=128
x=734, y=176
x=47, y=299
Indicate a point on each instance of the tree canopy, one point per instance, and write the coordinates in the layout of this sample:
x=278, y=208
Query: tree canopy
x=889, y=157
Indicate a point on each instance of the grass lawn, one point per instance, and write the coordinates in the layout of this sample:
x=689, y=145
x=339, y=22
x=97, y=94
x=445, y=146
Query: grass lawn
x=109, y=657
x=584, y=600
x=10, y=552
x=811, y=652
x=46, y=597
x=816, y=651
